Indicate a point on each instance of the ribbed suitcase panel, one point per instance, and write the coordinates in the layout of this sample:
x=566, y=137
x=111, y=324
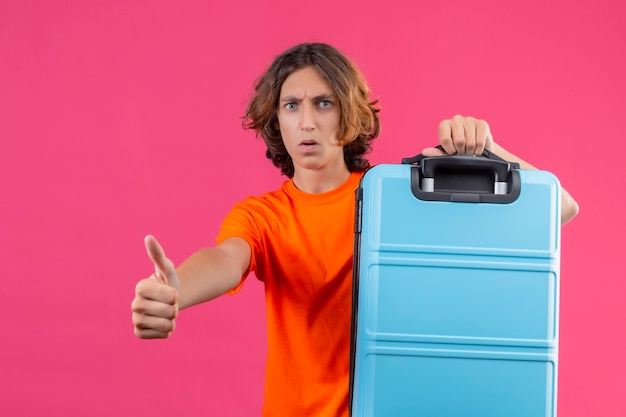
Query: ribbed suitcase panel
x=457, y=302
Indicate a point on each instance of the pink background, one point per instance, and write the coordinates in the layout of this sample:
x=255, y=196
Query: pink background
x=121, y=118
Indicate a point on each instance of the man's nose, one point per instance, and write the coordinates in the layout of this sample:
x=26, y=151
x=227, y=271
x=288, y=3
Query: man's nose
x=307, y=117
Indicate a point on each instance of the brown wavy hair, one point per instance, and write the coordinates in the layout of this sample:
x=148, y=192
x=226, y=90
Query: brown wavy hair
x=358, y=123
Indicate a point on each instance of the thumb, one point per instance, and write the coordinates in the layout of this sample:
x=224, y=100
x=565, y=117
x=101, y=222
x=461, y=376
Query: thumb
x=433, y=152
x=163, y=268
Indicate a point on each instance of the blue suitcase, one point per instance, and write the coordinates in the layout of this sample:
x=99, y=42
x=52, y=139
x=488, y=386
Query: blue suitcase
x=456, y=290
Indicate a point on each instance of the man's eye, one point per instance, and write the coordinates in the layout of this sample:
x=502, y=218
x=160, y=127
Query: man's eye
x=325, y=103
x=290, y=106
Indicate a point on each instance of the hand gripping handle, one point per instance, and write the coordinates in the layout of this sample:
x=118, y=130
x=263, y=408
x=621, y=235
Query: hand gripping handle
x=464, y=178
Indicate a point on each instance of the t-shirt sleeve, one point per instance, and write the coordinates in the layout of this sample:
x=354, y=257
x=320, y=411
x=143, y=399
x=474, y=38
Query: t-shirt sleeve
x=240, y=222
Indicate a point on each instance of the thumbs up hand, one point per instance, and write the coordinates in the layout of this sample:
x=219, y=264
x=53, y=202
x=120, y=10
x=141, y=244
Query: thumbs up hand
x=155, y=305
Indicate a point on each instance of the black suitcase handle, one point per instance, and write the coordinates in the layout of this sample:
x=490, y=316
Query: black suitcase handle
x=464, y=178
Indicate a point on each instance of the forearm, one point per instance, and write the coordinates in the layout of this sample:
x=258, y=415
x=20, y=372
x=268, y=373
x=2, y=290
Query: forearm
x=206, y=275
x=569, y=206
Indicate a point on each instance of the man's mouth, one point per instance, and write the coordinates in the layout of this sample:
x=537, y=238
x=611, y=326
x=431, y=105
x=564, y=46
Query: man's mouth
x=308, y=143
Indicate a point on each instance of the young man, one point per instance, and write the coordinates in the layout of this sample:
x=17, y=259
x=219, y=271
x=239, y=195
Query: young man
x=312, y=109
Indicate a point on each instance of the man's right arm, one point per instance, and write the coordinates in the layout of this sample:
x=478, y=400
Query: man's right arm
x=212, y=272
x=205, y=275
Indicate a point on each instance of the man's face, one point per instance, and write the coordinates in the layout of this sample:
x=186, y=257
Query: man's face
x=308, y=117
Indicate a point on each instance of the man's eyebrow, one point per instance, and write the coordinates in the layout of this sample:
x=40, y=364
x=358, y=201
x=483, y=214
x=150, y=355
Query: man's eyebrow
x=320, y=97
x=290, y=99
x=324, y=97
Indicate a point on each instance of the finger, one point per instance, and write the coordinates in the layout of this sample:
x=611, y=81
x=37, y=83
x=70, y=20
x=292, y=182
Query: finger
x=157, y=324
x=164, y=268
x=149, y=289
x=445, y=137
x=469, y=128
x=156, y=253
x=483, y=137
x=151, y=334
x=458, y=134
x=432, y=152
x=154, y=308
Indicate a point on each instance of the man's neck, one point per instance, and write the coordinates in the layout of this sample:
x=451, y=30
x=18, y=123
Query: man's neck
x=320, y=181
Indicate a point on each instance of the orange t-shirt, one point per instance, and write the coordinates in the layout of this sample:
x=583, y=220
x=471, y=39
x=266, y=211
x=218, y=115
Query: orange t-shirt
x=302, y=247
